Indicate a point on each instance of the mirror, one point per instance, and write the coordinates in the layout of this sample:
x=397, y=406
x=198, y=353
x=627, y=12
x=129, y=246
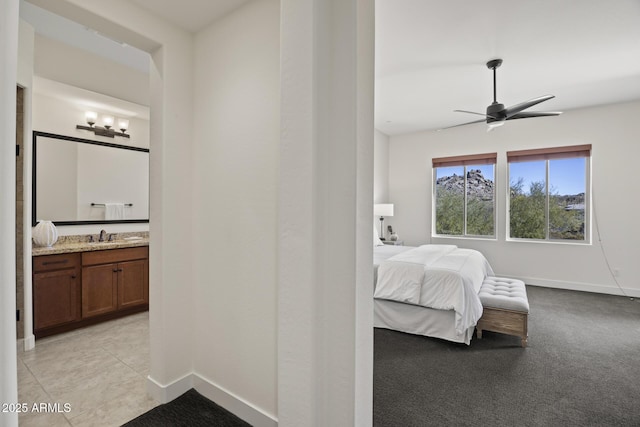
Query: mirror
x=80, y=181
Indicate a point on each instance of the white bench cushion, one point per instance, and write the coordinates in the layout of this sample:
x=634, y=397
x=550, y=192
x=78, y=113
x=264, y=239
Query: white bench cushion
x=503, y=292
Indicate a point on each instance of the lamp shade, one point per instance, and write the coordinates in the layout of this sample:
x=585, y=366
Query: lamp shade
x=383, y=209
x=107, y=121
x=91, y=117
x=123, y=124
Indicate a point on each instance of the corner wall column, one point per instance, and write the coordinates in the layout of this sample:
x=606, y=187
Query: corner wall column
x=325, y=309
x=8, y=78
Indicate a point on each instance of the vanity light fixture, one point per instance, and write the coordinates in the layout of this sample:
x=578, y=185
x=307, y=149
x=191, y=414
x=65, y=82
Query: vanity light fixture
x=92, y=117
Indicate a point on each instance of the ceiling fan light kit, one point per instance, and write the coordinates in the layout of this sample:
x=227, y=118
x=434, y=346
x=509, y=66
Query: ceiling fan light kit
x=497, y=114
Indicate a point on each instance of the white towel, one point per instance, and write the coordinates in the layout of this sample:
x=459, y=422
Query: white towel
x=113, y=211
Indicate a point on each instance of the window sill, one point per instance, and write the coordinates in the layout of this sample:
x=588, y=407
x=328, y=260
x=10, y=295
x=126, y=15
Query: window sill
x=552, y=242
x=480, y=238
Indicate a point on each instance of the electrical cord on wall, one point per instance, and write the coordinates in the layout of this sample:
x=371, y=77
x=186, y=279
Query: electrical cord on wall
x=604, y=254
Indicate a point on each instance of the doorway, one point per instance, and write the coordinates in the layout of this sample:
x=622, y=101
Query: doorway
x=112, y=354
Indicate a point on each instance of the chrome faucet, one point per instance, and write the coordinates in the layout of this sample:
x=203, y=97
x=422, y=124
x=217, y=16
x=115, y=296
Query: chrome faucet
x=102, y=235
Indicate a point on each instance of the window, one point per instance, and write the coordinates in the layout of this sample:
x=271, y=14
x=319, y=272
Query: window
x=548, y=197
x=464, y=195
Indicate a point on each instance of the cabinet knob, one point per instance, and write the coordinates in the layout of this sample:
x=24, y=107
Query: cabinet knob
x=115, y=270
x=73, y=276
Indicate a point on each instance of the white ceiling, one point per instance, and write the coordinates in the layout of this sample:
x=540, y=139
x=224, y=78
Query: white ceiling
x=64, y=30
x=190, y=15
x=431, y=56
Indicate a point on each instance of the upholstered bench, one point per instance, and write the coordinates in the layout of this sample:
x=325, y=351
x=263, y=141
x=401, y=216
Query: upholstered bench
x=505, y=307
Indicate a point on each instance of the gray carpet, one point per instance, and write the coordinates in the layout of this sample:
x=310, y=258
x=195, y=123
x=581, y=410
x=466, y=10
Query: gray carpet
x=189, y=410
x=581, y=368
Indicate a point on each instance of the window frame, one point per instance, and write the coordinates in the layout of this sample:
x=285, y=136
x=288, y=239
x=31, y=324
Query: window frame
x=464, y=161
x=547, y=154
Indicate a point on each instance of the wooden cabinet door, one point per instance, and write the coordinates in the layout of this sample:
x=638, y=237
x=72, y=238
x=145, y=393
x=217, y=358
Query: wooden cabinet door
x=99, y=289
x=133, y=283
x=55, y=298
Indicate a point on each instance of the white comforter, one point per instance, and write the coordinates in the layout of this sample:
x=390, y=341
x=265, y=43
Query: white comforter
x=443, y=277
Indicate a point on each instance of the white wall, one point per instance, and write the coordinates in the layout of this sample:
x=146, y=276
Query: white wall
x=325, y=309
x=235, y=214
x=613, y=132
x=8, y=78
x=55, y=114
x=91, y=79
x=77, y=67
x=60, y=114
x=380, y=167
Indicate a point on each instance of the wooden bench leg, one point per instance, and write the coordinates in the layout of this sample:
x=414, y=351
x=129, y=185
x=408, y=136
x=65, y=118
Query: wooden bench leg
x=505, y=322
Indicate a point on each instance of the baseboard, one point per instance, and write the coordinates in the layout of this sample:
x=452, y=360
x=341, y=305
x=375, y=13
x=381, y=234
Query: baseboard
x=166, y=393
x=232, y=403
x=579, y=286
x=29, y=343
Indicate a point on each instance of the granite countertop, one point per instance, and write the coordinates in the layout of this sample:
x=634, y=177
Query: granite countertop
x=70, y=244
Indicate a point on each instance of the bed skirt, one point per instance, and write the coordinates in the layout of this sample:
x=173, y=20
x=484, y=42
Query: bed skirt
x=418, y=320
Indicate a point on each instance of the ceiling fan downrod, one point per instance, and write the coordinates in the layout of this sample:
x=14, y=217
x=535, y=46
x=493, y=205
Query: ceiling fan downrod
x=493, y=64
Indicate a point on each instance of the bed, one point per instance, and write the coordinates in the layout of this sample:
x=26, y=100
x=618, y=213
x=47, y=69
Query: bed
x=430, y=290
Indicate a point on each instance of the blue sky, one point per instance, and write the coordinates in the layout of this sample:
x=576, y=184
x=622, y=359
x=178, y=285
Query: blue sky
x=566, y=176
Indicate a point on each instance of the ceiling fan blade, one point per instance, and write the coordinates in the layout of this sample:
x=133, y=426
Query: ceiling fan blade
x=470, y=112
x=515, y=109
x=473, y=112
x=463, y=124
x=526, y=115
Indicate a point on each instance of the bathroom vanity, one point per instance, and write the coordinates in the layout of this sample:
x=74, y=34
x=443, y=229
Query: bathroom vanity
x=78, y=284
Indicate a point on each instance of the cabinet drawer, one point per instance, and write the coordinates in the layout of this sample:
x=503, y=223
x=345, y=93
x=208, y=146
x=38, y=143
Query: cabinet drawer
x=55, y=262
x=114, y=255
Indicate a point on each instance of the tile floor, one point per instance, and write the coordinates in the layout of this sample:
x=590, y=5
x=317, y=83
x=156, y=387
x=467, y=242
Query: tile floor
x=100, y=371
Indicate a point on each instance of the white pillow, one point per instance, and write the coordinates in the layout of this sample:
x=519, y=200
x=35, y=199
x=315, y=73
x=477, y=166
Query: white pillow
x=376, y=239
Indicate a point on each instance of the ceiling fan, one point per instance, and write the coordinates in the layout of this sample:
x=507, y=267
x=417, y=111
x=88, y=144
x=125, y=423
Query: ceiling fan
x=497, y=114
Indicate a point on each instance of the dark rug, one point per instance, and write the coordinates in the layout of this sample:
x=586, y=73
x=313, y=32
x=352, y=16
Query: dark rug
x=189, y=410
x=581, y=368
